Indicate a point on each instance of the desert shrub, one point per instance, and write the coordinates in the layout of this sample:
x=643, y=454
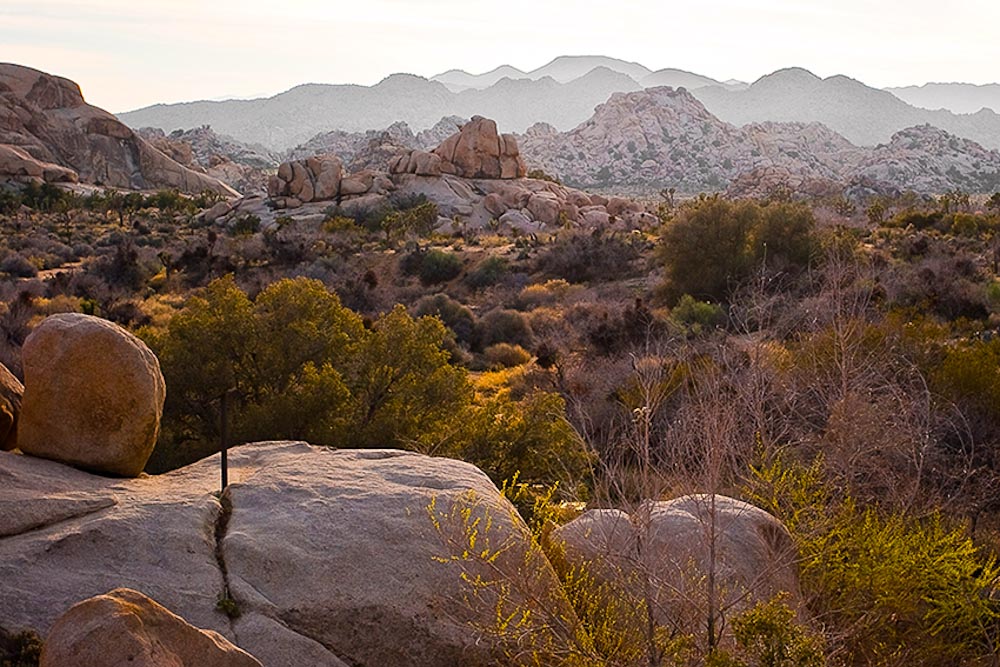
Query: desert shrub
x=45, y=197
x=892, y=589
x=505, y=326
x=713, y=245
x=23, y=649
x=18, y=266
x=10, y=201
x=951, y=287
x=636, y=325
x=438, y=266
x=245, y=225
x=505, y=355
x=488, y=272
x=171, y=200
x=456, y=316
x=767, y=635
x=300, y=366
x=527, y=438
x=595, y=256
x=540, y=175
x=412, y=215
x=697, y=315
x=918, y=219
x=545, y=294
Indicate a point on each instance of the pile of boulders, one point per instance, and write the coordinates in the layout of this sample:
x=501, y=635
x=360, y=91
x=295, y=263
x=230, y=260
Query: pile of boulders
x=475, y=176
x=321, y=178
x=477, y=150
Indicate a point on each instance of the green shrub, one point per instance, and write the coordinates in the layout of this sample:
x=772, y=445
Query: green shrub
x=505, y=326
x=505, y=355
x=488, y=272
x=892, y=589
x=714, y=245
x=300, y=366
x=245, y=225
x=456, y=316
x=694, y=314
x=438, y=266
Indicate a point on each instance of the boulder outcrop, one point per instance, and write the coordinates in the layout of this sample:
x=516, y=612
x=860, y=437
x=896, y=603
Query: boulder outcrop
x=93, y=395
x=124, y=627
x=477, y=150
x=663, y=553
x=46, y=118
x=329, y=557
x=11, y=392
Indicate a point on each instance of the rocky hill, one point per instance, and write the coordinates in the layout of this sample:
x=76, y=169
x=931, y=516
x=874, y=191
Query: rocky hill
x=48, y=132
x=864, y=115
x=663, y=137
x=927, y=159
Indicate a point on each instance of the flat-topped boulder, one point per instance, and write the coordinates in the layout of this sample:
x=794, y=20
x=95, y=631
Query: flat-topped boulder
x=327, y=557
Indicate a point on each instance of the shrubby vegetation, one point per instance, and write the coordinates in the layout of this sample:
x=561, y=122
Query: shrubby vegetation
x=834, y=364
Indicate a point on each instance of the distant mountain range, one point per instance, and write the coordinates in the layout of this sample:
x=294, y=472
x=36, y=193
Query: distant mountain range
x=565, y=69
x=957, y=97
x=564, y=94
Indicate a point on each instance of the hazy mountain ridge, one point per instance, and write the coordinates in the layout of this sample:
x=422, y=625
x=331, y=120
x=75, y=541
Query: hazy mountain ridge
x=864, y=115
x=558, y=95
x=298, y=115
x=955, y=97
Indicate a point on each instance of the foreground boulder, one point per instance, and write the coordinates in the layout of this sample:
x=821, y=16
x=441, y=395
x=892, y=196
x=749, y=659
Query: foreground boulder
x=49, y=133
x=662, y=556
x=11, y=391
x=93, y=395
x=326, y=557
x=125, y=627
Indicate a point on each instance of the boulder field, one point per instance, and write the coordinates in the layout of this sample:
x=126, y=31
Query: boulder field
x=476, y=178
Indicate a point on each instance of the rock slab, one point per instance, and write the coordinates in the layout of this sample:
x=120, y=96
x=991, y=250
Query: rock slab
x=330, y=557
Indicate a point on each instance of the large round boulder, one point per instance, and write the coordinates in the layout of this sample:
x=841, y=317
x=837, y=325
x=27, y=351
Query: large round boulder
x=93, y=395
x=124, y=627
x=11, y=391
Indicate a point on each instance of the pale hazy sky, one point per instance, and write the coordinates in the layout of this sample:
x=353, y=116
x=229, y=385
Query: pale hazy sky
x=127, y=54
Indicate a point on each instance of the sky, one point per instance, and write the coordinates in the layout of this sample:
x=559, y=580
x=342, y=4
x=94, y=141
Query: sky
x=130, y=54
